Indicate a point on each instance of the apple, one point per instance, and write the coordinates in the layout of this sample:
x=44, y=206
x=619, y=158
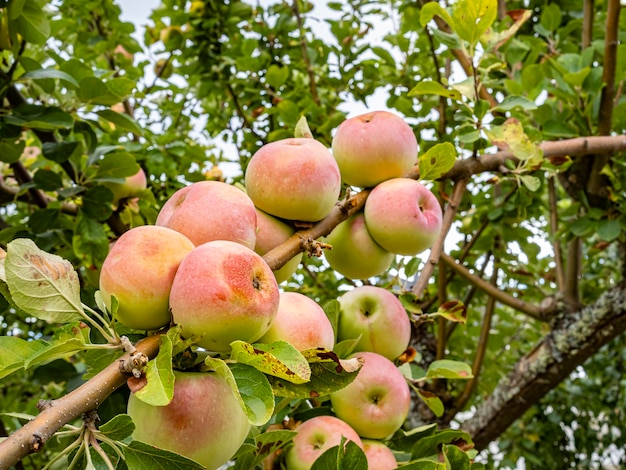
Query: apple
x=301, y=322
x=315, y=436
x=222, y=292
x=374, y=147
x=378, y=317
x=379, y=456
x=211, y=210
x=294, y=179
x=132, y=186
x=354, y=252
x=271, y=232
x=139, y=271
x=403, y=216
x=377, y=402
x=203, y=422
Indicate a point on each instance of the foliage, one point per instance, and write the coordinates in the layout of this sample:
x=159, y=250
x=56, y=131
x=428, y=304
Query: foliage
x=87, y=102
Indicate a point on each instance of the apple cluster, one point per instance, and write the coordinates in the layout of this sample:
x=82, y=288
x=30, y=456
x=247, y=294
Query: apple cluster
x=201, y=267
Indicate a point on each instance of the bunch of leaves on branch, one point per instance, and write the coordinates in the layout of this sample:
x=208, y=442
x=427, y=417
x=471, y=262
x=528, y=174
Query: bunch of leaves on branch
x=245, y=237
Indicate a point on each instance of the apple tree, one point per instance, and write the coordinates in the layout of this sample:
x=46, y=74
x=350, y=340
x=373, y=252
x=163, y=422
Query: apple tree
x=507, y=334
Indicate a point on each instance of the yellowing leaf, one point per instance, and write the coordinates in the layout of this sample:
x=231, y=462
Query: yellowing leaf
x=279, y=359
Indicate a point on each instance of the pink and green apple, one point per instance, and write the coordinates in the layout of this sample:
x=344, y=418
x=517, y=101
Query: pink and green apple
x=139, y=271
x=374, y=147
x=203, y=422
x=315, y=436
x=271, y=232
x=377, y=402
x=354, y=252
x=131, y=187
x=403, y=216
x=379, y=456
x=211, y=210
x=222, y=292
x=301, y=322
x=376, y=316
x=294, y=179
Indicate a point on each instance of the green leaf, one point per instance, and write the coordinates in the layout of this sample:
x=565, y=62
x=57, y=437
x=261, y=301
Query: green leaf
x=90, y=241
x=99, y=359
x=405, y=440
x=121, y=120
x=472, y=18
x=159, y=389
x=42, y=284
x=302, y=129
x=43, y=74
x=496, y=39
x=119, y=427
x=95, y=91
x=453, y=310
x=278, y=359
x=276, y=75
x=550, y=17
x=332, y=309
x=60, y=152
x=609, y=230
x=47, y=180
x=432, y=401
x=140, y=456
x=348, y=456
x=512, y=102
x=96, y=203
x=447, y=369
x=437, y=161
x=431, y=87
x=40, y=117
x=328, y=374
x=10, y=152
x=429, y=10
x=410, y=302
x=430, y=445
x=455, y=457
x=256, y=393
x=33, y=23
x=532, y=183
x=426, y=464
x=115, y=166
x=15, y=352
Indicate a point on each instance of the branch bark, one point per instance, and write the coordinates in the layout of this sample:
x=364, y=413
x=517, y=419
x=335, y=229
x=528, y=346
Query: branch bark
x=34, y=434
x=574, y=338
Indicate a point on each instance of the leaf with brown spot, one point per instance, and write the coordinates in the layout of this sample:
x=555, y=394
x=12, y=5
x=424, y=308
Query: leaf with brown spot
x=42, y=284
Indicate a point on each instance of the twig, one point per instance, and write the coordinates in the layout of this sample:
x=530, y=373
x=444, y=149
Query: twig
x=556, y=244
x=305, y=54
x=572, y=272
x=588, y=16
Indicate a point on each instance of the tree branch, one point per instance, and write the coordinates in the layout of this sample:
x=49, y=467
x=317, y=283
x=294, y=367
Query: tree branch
x=531, y=310
x=34, y=434
x=573, y=339
x=556, y=244
x=587, y=23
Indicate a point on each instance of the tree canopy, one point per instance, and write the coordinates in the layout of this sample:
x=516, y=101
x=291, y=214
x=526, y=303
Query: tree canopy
x=518, y=310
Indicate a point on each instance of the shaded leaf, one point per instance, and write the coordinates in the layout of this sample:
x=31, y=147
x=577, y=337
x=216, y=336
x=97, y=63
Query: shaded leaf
x=119, y=427
x=140, y=456
x=348, y=456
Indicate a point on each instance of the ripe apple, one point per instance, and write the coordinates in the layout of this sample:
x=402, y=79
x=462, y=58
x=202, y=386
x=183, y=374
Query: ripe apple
x=315, y=436
x=203, y=422
x=271, y=232
x=294, y=179
x=379, y=456
x=377, y=402
x=301, y=322
x=131, y=187
x=211, y=210
x=403, y=216
x=378, y=317
x=374, y=147
x=354, y=252
x=139, y=271
x=224, y=292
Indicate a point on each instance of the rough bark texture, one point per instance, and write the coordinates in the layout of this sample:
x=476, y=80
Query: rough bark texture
x=574, y=338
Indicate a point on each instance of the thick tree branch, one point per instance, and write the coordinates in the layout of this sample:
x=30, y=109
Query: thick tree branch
x=529, y=309
x=573, y=339
x=34, y=434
